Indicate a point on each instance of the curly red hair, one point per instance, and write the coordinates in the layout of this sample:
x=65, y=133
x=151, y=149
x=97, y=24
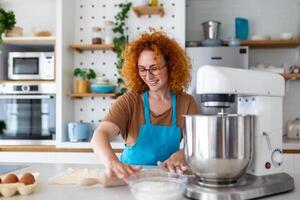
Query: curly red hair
x=177, y=61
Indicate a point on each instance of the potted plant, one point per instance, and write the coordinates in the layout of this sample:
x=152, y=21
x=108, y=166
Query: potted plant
x=2, y=127
x=7, y=21
x=82, y=85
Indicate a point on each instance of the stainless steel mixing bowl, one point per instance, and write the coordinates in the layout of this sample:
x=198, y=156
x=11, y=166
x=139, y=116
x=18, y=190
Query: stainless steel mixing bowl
x=218, y=148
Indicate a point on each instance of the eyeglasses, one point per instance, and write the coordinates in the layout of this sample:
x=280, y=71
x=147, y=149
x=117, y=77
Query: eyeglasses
x=155, y=71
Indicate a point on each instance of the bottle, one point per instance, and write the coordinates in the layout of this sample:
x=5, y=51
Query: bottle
x=154, y=3
x=96, y=35
x=108, y=32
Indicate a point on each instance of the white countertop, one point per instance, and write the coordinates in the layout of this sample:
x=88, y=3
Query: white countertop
x=47, y=191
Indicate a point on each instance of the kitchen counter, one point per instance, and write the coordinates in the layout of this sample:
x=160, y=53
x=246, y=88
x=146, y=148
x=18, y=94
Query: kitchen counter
x=47, y=191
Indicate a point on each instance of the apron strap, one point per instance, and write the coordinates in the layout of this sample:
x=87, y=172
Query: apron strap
x=173, y=109
x=146, y=107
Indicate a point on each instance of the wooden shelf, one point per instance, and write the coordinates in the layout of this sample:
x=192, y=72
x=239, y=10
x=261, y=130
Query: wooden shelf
x=291, y=76
x=86, y=47
x=270, y=43
x=149, y=10
x=29, y=40
x=81, y=95
x=27, y=81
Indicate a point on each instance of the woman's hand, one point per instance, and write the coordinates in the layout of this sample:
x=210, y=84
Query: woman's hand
x=176, y=163
x=121, y=170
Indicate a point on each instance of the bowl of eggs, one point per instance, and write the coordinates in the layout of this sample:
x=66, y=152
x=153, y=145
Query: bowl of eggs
x=12, y=184
x=157, y=185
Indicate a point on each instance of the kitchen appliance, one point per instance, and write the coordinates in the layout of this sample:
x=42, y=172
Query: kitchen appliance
x=237, y=57
x=28, y=111
x=236, y=156
x=79, y=131
x=293, y=129
x=31, y=65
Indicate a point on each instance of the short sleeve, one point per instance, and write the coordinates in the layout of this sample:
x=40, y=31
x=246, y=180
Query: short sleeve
x=193, y=107
x=119, y=113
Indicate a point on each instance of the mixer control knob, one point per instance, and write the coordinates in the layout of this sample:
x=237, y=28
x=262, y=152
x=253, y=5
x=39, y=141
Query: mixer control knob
x=277, y=157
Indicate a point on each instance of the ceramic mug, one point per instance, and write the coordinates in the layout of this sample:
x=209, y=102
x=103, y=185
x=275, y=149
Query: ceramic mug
x=79, y=131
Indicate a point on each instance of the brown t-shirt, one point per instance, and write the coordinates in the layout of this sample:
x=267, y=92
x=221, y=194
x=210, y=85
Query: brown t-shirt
x=127, y=112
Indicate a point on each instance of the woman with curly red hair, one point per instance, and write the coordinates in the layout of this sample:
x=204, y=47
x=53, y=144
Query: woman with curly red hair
x=156, y=72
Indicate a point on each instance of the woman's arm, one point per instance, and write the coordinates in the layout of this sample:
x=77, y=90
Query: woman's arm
x=102, y=148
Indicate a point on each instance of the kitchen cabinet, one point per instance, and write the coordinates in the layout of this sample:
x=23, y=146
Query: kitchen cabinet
x=291, y=163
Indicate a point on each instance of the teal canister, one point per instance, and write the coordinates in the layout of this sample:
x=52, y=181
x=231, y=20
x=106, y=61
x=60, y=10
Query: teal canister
x=241, y=28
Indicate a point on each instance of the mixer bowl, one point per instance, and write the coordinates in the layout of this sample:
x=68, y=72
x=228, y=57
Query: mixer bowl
x=218, y=148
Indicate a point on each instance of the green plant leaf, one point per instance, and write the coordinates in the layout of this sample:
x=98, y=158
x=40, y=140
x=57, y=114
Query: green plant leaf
x=121, y=40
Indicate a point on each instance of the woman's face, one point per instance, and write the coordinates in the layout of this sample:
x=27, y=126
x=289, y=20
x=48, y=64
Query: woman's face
x=157, y=77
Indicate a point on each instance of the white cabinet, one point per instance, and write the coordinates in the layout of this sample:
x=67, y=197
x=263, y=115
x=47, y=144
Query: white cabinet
x=291, y=163
x=288, y=163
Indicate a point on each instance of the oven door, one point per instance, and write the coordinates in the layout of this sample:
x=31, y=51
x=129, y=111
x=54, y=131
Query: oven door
x=24, y=66
x=28, y=117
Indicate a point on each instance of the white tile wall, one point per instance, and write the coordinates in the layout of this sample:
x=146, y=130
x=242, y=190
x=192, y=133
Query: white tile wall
x=44, y=14
x=270, y=17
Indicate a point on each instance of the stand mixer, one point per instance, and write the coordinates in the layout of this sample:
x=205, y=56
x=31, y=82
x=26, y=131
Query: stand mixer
x=236, y=156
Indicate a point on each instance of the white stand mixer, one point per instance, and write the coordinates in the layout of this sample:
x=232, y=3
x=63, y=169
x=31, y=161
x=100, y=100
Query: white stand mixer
x=259, y=94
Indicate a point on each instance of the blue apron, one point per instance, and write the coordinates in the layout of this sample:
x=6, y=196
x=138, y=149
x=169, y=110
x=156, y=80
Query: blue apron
x=154, y=142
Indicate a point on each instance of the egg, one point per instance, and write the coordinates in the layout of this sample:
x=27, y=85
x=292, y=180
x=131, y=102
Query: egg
x=27, y=179
x=10, y=178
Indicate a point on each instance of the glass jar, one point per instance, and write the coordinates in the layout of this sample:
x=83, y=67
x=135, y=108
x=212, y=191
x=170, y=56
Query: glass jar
x=96, y=35
x=109, y=34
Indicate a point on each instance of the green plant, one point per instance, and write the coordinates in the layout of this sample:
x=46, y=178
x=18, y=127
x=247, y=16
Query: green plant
x=2, y=126
x=85, y=74
x=120, y=40
x=7, y=21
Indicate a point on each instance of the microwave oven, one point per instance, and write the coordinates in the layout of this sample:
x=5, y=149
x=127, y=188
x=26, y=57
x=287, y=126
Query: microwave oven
x=31, y=65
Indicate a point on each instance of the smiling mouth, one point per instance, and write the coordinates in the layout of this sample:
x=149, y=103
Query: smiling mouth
x=152, y=82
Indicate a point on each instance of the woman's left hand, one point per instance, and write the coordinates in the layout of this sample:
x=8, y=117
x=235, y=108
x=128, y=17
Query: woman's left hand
x=176, y=163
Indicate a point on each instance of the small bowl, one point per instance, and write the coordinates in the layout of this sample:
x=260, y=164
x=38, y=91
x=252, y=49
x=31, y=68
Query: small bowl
x=260, y=37
x=286, y=36
x=96, y=88
x=157, y=185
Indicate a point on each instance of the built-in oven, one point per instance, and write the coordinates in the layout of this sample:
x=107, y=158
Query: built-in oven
x=28, y=111
x=31, y=65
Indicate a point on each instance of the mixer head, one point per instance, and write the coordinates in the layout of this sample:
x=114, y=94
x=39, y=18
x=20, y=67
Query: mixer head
x=217, y=100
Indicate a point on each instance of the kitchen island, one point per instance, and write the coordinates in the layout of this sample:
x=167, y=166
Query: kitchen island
x=47, y=191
